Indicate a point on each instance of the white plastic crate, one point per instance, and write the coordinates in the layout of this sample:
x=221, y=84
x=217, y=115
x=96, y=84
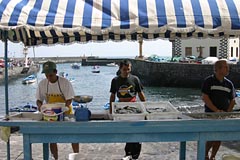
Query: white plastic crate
x=26, y=116
x=160, y=110
x=119, y=114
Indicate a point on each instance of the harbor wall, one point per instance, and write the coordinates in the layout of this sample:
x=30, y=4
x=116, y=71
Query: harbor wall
x=100, y=61
x=57, y=59
x=85, y=61
x=17, y=72
x=178, y=74
x=156, y=74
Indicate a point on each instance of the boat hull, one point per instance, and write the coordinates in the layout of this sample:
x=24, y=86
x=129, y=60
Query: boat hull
x=95, y=71
x=30, y=79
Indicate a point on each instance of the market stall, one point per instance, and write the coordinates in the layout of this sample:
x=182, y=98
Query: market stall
x=65, y=21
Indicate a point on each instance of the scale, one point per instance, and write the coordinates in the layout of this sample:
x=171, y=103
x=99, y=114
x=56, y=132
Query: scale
x=81, y=111
x=82, y=99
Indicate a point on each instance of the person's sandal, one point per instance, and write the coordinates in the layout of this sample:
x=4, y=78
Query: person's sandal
x=127, y=158
x=212, y=158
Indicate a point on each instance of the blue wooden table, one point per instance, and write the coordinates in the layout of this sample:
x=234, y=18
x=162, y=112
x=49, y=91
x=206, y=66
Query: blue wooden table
x=134, y=131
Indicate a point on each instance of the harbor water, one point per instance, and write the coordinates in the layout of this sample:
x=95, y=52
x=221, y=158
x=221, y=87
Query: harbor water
x=97, y=85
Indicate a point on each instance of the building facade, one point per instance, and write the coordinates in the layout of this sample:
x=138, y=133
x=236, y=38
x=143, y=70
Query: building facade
x=222, y=48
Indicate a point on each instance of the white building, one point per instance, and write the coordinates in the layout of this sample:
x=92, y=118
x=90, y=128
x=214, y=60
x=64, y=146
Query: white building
x=207, y=47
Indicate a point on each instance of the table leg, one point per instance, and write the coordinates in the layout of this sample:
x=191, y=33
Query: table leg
x=27, y=147
x=182, y=155
x=45, y=151
x=201, y=150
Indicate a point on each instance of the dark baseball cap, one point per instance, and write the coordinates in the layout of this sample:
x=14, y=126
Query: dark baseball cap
x=49, y=67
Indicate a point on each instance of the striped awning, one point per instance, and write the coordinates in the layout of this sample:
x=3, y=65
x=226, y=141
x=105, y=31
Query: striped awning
x=36, y=22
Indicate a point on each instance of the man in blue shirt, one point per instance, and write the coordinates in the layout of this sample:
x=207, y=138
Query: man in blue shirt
x=218, y=94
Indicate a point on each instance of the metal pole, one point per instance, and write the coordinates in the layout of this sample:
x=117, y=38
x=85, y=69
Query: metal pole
x=6, y=84
x=6, y=72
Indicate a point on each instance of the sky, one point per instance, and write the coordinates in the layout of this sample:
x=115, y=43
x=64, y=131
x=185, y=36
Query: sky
x=101, y=49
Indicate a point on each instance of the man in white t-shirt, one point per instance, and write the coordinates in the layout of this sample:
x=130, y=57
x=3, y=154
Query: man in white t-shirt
x=55, y=89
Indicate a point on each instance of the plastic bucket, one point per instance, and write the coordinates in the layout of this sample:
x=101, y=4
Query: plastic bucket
x=49, y=115
x=74, y=156
x=53, y=111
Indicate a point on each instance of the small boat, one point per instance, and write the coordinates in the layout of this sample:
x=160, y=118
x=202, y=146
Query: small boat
x=30, y=79
x=112, y=64
x=75, y=66
x=96, y=69
x=26, y=108
x=71, y=79
x=65, y=75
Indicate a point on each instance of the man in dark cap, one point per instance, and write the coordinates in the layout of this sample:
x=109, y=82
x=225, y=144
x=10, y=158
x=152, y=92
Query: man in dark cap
x=55, y=89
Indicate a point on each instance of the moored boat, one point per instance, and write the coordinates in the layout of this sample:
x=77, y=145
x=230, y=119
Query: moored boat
x=75, y=66
x=96, y=69
x=65, y=75
x=30, y=79
x=71, y=79
x=112, y=64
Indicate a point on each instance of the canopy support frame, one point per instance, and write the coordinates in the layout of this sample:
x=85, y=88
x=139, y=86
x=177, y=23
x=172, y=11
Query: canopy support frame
x=6, y=84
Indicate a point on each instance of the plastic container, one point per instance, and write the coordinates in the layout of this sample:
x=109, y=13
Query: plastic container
x=161, y=110
x=53, y=111
x=120, y=111
x=74, y=156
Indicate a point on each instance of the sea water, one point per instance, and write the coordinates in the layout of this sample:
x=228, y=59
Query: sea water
x=98, y=86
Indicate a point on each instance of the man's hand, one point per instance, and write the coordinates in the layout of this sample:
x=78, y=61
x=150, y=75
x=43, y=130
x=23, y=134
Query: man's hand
x=39, y=104
x=218, y=110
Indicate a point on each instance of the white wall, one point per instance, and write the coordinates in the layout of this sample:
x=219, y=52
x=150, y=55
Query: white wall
x=194, y=43
x=234, y=44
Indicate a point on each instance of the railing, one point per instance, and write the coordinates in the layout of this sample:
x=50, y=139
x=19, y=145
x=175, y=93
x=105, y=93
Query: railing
x=135, y=131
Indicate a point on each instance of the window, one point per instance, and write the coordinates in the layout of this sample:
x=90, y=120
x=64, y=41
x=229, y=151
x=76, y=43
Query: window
x=188, y=51
x=231, y=51
x=236, y=51
x=213, y=51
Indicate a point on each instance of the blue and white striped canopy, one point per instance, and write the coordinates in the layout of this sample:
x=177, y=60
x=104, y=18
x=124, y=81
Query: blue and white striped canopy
x=37, y=22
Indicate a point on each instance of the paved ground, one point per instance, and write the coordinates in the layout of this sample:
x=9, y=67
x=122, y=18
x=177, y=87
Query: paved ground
x=115, y=151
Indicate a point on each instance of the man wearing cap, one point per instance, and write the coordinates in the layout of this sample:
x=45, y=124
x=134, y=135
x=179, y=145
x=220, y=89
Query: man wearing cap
x=55, y=89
